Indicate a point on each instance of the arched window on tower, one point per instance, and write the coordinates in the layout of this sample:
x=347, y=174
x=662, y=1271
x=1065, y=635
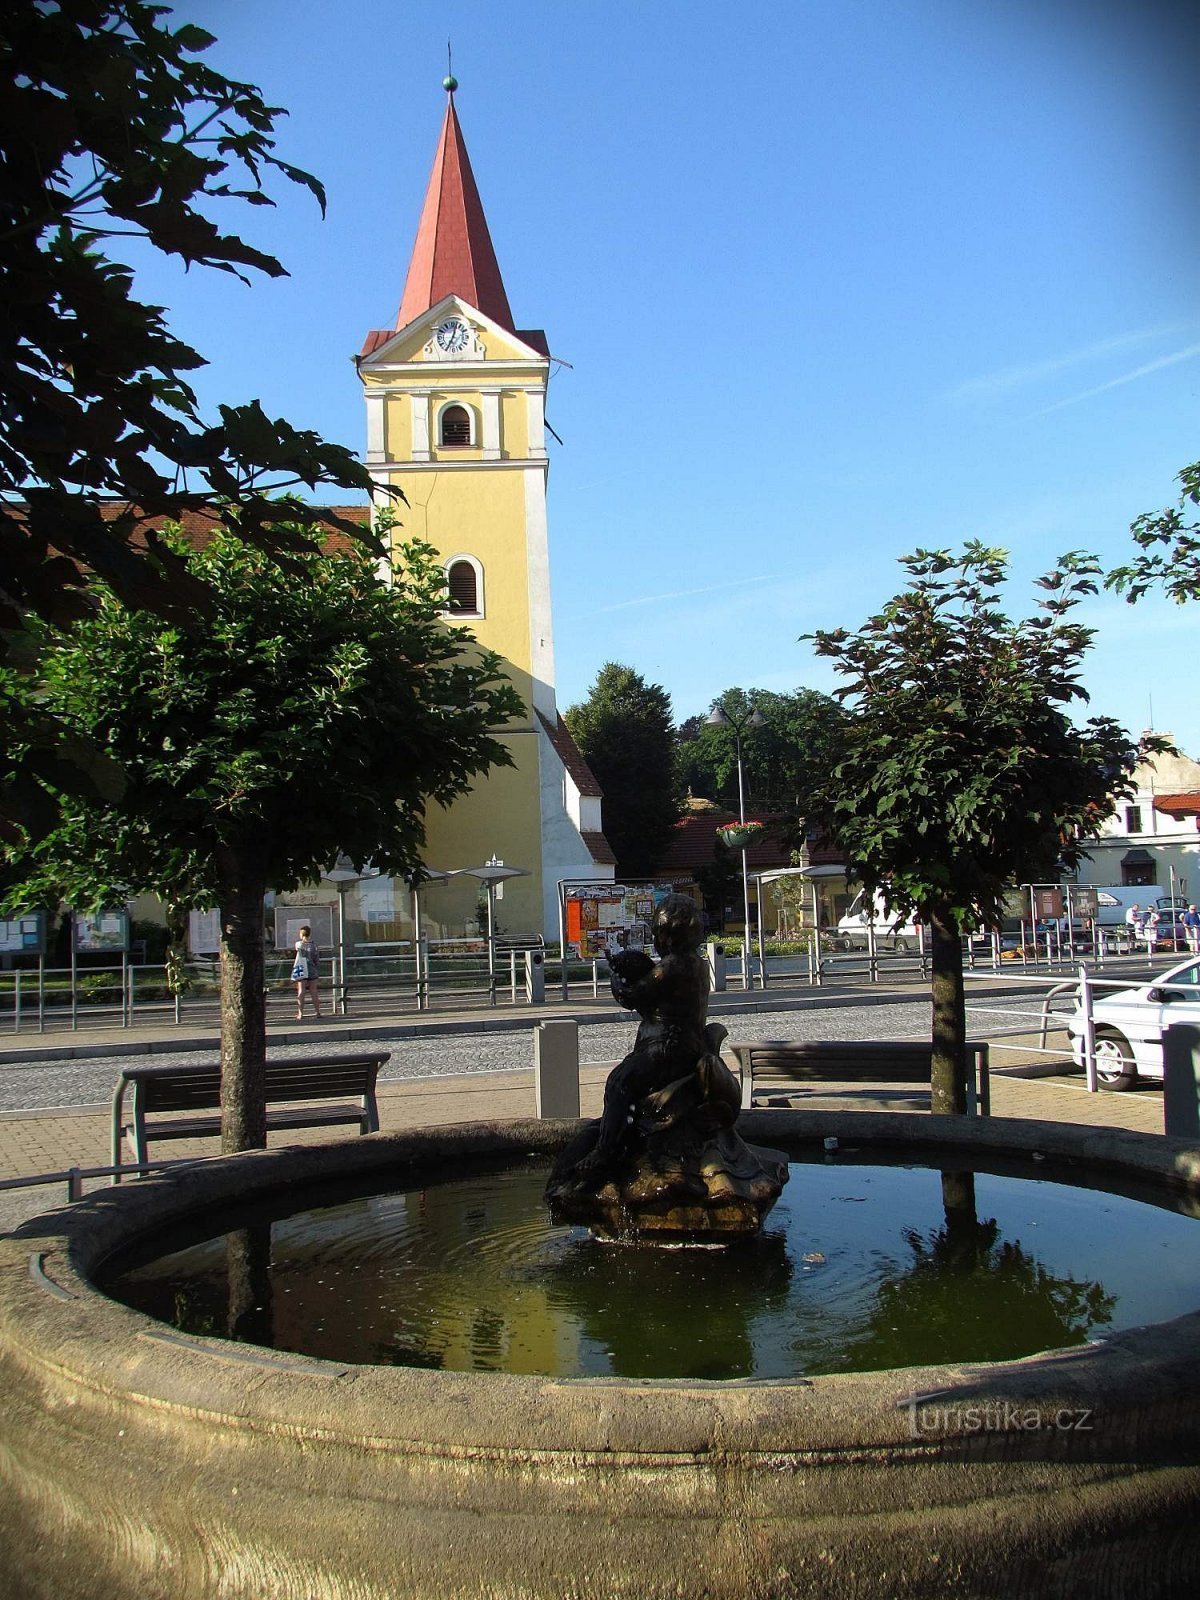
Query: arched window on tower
x=455, y=426
x=464, y=581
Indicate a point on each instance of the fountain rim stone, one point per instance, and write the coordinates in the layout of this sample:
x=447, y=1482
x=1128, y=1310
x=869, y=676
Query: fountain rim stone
x=55, y=1324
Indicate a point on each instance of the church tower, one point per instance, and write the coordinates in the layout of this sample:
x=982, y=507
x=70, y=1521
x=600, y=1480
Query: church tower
x=456, y=398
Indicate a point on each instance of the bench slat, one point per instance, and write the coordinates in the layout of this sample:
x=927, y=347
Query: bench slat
x=297, y=1117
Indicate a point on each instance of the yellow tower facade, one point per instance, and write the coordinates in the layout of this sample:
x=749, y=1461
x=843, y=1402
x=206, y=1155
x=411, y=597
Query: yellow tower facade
x=455, y=398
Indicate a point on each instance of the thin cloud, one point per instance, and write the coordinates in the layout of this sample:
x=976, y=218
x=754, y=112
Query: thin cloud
x=684, y=594
x=1187, y=354
x=994, y=383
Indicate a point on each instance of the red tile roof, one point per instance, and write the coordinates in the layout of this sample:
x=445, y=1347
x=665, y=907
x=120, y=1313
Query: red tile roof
x=1178, y=805
x=599, y=849
x=453, y=253
x=567, y=750
x=199, y=525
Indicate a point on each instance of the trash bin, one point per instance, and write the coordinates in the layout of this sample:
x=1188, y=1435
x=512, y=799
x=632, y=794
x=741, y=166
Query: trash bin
x=716, y=966
x=535, y=977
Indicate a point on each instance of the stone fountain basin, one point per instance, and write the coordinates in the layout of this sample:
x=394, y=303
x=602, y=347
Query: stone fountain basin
x=140, y=1461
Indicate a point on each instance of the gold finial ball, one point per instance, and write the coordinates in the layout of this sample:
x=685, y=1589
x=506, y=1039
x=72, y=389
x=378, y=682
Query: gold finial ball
x=449, y=84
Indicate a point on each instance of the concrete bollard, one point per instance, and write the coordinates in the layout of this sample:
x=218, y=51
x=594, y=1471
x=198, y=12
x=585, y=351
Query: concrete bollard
x=556, y=1069
x=716, y=966
x=1181, y=1080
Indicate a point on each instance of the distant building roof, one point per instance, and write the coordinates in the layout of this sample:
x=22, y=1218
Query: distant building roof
x=567, y=751
x=1178, y=805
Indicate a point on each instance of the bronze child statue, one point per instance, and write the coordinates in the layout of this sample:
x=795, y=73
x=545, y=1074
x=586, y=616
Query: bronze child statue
x=663, y=1158
x=671, y=996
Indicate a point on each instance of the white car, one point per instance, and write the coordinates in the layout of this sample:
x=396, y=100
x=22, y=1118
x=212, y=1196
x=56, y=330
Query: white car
x=1129, y=1025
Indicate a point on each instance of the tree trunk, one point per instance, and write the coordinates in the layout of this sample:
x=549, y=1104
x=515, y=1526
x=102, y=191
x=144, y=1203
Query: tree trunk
x=948, y=1087
x=243, y=1014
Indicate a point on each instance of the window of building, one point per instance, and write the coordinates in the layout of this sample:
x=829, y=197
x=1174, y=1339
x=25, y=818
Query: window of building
x=455, y=426
x=1133, y=819
x=464, y=580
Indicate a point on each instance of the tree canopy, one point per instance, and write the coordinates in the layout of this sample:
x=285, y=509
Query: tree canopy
x=303, y=721
x=960, y=771
x=781, y=761
x=624, y=733
x=112, y=128
x=1168, y=548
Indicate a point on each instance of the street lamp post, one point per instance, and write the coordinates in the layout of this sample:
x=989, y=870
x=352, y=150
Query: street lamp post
x=718, y=717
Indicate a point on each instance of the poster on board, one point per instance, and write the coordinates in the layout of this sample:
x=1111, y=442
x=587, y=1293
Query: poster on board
x=603, y=917
x=204, y=933
x=24, y=936
x=319, y=917
x=101, y=930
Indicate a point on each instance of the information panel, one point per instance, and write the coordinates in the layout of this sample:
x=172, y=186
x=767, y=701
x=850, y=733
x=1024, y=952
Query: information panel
x=24, y=935
x=101, y=930
x=603, y=917
x=319, y=917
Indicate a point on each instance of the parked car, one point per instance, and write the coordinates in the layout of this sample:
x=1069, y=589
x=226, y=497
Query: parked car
x=1129, y=1025
x=892, y=929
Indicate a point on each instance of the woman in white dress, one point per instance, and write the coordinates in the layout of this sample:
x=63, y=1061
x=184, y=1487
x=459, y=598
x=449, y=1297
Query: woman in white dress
x=306, y=972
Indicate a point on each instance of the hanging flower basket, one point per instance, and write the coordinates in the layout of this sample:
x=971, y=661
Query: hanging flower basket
x=738, y=835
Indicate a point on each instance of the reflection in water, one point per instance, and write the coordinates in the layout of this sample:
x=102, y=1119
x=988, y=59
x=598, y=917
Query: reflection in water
x=862, y=1267
x=654, y=1312
x=248, y=1282
x=968, y=1288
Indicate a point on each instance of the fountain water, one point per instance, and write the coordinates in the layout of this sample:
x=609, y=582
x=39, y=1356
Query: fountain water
x=142, y=1460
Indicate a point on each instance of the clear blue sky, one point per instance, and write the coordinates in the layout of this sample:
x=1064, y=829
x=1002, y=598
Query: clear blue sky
x=835, y=278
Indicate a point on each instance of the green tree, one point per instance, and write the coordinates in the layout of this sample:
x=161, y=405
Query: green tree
x=304, y=721
x=624, y=733
x=111, y=128
x=781, y=761
x=960, y=772
x=1169, y=549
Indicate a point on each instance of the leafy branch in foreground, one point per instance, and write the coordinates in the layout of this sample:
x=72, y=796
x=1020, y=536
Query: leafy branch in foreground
x=1169, y=549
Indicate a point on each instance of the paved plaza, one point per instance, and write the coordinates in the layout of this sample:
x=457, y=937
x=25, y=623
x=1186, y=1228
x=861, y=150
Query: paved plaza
x=55, y=1090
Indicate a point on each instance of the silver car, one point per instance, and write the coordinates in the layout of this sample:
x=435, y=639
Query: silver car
x=1129, y=1025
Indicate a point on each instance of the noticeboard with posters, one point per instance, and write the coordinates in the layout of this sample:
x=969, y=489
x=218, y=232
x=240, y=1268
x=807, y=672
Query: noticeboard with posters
x=204, y=932
x=1048, y=902
x=101, y=930
x=24, y=936
x=319, y=917
x=1085, y=902
x=603, y=917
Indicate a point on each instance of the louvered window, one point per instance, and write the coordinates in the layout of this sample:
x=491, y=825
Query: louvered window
x=463, y=586
x=456, y=425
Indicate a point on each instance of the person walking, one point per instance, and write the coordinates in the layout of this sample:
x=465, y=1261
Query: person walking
x=1150, y=929
x=306, y=973
x=1191, y=929
x=1133, y=922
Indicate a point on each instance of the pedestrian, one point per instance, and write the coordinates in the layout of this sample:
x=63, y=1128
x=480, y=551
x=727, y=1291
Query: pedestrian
x=306, y=972
x=1133, y=923
x=1191, y=929
x=1150, y=929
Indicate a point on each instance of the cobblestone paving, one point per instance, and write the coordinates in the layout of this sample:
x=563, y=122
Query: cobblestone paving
x=89, y=1081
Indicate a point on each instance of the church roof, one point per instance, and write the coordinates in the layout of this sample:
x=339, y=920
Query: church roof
x=453, y=253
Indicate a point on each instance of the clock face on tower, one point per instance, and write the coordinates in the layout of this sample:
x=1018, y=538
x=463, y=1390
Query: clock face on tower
x=452, y=335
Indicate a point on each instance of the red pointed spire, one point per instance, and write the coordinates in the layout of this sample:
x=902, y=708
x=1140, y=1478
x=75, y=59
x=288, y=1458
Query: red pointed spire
x=453, y=252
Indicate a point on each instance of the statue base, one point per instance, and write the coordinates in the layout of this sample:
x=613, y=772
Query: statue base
x=710, y=1186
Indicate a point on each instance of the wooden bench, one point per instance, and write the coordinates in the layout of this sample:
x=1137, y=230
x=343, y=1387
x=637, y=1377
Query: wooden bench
x=778, y=1066
x=293, y=1089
